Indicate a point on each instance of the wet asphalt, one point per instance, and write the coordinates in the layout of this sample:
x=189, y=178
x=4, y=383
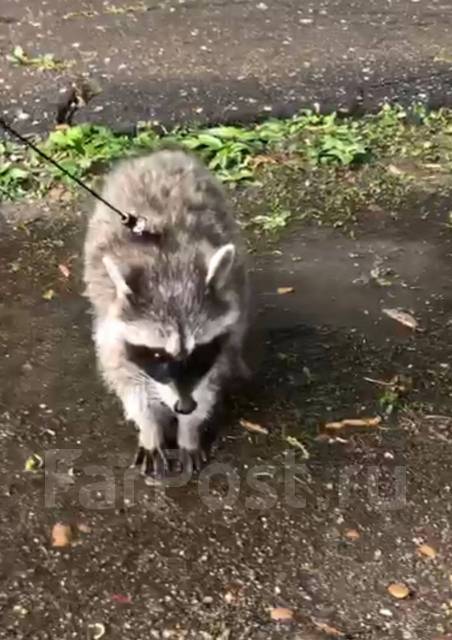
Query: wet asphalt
x=321, y=525
x=225, y=60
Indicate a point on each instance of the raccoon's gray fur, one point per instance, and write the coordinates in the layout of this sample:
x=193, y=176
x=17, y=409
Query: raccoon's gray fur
x=158, y=299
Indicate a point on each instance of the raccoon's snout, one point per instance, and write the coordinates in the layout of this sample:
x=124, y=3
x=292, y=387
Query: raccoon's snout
x=185, y=406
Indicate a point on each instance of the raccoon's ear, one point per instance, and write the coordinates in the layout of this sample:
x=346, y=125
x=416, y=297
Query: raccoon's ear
x=220, y=265
x=122, y=288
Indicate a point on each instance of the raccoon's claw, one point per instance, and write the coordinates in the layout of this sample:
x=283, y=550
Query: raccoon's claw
x=151, y=463
x=139, y=457
x=192, y=460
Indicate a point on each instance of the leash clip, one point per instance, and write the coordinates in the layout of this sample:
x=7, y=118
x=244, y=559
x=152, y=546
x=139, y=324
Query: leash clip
x=136, y=224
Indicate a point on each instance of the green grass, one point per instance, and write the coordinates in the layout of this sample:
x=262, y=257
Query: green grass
x=310, y=143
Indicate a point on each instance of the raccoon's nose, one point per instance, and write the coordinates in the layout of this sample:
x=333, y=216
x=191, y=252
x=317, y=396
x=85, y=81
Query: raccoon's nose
x=186, y=406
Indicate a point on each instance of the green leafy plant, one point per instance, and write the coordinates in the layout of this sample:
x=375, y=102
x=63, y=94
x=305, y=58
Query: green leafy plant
x=307, y=141
x=45, y=62
x=81, y=148
x=272, y=222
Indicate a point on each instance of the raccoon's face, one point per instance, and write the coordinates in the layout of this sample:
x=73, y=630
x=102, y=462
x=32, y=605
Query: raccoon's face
x=175, y=324
x=181, y=374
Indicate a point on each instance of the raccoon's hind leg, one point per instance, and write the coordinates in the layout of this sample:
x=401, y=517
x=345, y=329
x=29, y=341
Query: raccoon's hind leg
x=149, y=419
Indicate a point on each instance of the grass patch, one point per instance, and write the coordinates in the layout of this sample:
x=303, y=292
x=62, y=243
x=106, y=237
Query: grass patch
x=324, y=195
x=334, y=164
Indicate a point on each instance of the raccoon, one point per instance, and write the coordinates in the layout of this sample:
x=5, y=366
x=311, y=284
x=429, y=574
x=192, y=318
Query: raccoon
x=170, y=306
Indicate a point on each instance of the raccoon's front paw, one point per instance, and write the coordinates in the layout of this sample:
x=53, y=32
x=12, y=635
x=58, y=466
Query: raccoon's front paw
x=192, y=460
x=151, y=463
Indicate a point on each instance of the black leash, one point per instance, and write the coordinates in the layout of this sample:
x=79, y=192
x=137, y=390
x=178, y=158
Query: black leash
x=130, y=221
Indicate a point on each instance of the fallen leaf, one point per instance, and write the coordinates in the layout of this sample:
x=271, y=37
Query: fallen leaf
x=281, y=614
x=285, y=290
x=259, y=160
x=34, y=463
x=48, y=295
x=98, y=630
x=395, y=170
x=121, y=598
x=54, y=195
x=399, y=590
x=61, y=535
x=294, y=442
x=66, y=197
x=328, y=629
x=253, y=426
x=64, y=270
x=354, y=422
x=352, y=534
x=402, y=316
x=426, y=551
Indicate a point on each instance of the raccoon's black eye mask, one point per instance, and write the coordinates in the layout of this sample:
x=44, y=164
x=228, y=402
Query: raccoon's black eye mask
x=164, y=368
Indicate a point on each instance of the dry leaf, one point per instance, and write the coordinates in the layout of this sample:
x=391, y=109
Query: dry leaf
x=121, y=598
x=401, y=316
x=281, y=614
x=59, y=194
x=253, y=426
x=354, y=422
x=399, y=590
x=259, y=160
x=352, y=534
x=55, y=193
x=294, y=442
x=426, y=551
x=328, y=629
x=34, y=462
x=64, y=270
x=48, y=295
x=395, y=170
x=66, y=197
x=284, y=290
x=98, y=630
x=61, y=535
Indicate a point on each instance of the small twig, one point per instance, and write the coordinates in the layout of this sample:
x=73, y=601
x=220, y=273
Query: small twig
x=382, y=383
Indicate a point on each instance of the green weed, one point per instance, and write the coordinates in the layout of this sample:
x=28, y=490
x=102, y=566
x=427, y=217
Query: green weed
x=308, y=142
x=273, y=221
x=45, y=62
